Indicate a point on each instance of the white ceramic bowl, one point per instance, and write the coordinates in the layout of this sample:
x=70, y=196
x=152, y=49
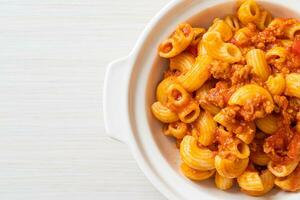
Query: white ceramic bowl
x=129, y=91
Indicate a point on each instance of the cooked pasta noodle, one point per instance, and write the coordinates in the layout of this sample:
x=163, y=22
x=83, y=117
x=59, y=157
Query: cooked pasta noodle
x=259, y=184
x=248, y=12
x=263, y=20
x=223, y=183
x=223, y=28
x=217, y=49
x=200, y=158
x=198, y=33
x=292, y=30
x=194, y=174
x=176, y=129
x=197, y=75
x=232, y=22
x=256, y=58
x=163, y=113
x=182, y=62
x=207, y=127
x=268, y=124
x=230, y=168
x=292, y=85
x=178, y=42
x=276, y=84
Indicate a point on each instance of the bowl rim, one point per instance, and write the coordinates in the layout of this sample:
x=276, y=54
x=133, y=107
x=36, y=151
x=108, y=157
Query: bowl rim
x=140, y=158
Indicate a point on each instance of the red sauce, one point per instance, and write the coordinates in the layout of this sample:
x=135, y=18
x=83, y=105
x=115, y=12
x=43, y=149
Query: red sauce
x=222, y=136
x=296, y=47
x=256, y=147
x=193, y=49
x=283, y=146
x=176, y=95
x=294, y=147
x=220, y=95
x=186, y=31
x=257, y=107
x=167, y=47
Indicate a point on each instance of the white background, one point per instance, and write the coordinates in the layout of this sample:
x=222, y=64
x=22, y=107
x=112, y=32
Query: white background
x=53, y=55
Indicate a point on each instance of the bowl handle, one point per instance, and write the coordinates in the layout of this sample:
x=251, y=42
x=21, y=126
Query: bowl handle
x=115, y=99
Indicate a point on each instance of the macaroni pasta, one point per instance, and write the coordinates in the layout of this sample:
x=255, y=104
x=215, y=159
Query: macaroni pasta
x=231, y=100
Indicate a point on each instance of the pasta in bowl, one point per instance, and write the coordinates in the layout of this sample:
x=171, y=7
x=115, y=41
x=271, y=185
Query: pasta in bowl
x=218, y=130
x=230, y=98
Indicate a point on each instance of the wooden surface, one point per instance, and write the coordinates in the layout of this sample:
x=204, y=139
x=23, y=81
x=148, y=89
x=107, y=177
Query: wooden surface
x=53, y=56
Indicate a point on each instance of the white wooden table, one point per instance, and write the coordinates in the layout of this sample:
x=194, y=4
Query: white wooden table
x=53, y=55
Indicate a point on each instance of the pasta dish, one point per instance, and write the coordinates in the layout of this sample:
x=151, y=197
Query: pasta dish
x=231, y=99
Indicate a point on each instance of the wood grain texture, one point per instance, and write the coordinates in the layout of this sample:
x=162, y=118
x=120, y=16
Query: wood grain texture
x=53, y=57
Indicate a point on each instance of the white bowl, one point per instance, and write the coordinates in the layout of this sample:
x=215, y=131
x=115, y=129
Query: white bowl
x=129, y=91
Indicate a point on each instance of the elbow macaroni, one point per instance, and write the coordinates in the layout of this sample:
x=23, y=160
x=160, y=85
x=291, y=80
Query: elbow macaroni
x=199, y=158
x=176, y=129
x=268, y=124
x=239, y=149
x=196, y=175
x=248, y=12
x=250, y=91
x=223, y=28
x=260, y=158
x=217, y=49
x=189, y=113
x=161, y=91
x=207, y=127
x=250, y=181
x=291, y=31
x=243, y=35
x=198, y=74
x=224, y=119
x=276, y=84
x=223, y=183
x=233, y=22
x=221, y=119
x=292, y=85
x=163, y=113
x=263, y=20
x=291, y=182
x=230, y=168
x=266, y=179
x=282, y=170
x=277, y=54
x=178, y=42
x=182, y=62
x=177, y=96
x=257, y=60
